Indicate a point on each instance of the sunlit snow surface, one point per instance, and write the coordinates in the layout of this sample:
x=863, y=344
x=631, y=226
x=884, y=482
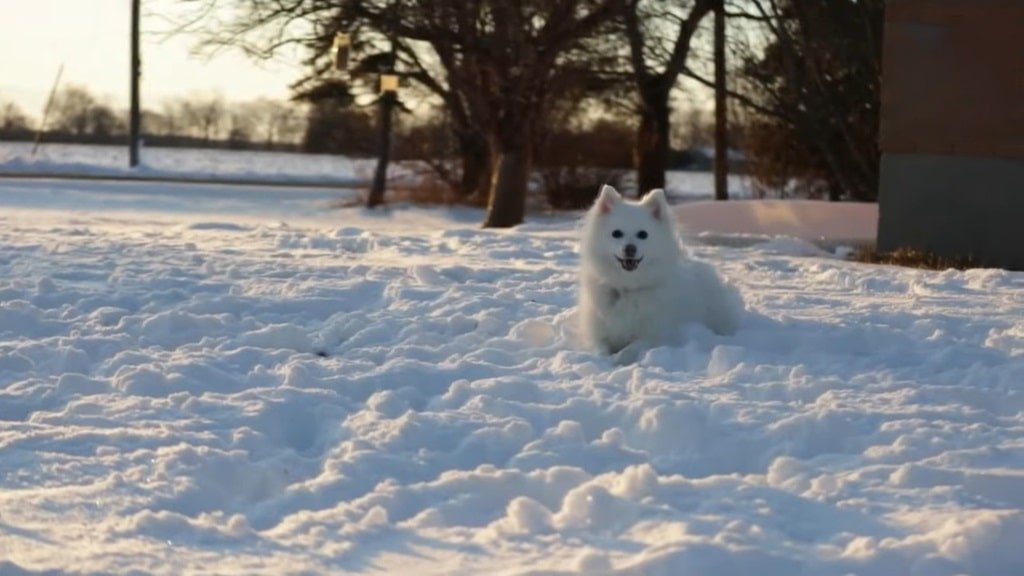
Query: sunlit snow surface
x=211, y=164
x=266, y=386
x=260, y=166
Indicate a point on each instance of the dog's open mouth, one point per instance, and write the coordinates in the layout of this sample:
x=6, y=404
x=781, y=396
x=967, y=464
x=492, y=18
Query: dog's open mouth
x=629, y=264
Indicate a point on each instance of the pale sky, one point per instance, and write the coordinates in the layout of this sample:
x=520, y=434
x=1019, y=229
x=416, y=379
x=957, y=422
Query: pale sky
x=91, y=38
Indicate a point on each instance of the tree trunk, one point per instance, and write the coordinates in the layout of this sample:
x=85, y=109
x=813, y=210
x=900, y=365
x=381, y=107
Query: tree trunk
x=834, y=195
x=476, y=166
x=380, y=176
x=507, y=204
x=652, y=140
x=721, y=111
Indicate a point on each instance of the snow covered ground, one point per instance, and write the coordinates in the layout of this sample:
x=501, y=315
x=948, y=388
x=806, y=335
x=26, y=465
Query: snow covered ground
x=248, y=385
x=162, y=198
x=243, y=166
x=235, y=165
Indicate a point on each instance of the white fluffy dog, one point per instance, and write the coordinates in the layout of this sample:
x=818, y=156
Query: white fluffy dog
x=637, y=285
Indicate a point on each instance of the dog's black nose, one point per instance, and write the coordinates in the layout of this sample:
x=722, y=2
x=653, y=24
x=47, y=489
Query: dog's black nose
x=629, y=250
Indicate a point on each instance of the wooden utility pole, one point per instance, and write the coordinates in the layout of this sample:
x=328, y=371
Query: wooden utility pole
x=134, y=121
x=721, y=117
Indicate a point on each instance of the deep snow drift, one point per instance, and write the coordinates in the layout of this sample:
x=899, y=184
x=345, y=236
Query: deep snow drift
x=165, y=407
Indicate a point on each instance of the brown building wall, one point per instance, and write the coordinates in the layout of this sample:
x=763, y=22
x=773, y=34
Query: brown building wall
x=953, y=77
x=952, y=133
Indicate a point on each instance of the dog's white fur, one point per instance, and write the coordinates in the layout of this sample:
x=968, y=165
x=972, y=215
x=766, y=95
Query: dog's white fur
x=648, y=305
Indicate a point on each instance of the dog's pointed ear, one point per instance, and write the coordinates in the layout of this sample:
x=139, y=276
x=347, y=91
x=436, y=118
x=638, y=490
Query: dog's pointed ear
x=608, y=198
x=656, y=202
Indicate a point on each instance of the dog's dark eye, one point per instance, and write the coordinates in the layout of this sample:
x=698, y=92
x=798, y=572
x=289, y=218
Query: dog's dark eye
x=617, y=234
x=642, y=234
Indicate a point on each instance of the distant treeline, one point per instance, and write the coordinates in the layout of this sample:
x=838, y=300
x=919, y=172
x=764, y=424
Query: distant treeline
x=154, y=140
x=78, y=116
x=328, y=127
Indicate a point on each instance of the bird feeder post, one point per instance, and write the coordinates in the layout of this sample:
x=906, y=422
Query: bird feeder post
x=388, y=100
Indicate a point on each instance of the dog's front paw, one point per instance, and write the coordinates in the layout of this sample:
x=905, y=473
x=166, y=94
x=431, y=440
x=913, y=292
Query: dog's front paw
x=631, y=354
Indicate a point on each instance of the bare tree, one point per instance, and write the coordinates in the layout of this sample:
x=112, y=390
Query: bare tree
x=273, y=122
x=493, y=60
x=79, y=113
x=518, y=49
x=241, y=126
x=259, y=29
x=332, y=128
x=153, y=123
x=695, y=129
x=13, y=120
x=72, y=109
x=204, y=116
x=496, y=64
x=289, y=123
x=810, y=79
x=173, y=113
x=104, y=122
x=657, y=59
x=444, y=80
